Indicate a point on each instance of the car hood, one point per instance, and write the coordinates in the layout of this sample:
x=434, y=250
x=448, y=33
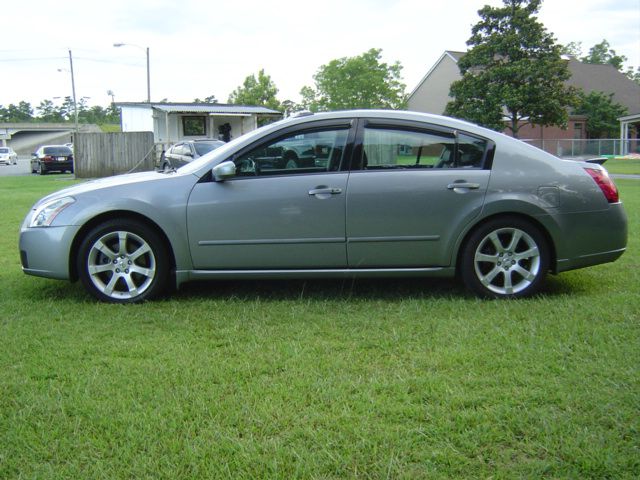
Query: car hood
x=108, y=182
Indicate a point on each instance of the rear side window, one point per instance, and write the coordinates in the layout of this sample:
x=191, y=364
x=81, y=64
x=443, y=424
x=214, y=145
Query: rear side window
x=471, y=151
x=399, y=149
x=393, y=149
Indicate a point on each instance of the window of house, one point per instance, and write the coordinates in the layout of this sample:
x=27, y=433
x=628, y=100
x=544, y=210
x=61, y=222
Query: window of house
x=194, y=126
x=302, y=152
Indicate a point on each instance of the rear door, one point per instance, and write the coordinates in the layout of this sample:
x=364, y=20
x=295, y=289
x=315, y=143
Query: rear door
x=412, y=190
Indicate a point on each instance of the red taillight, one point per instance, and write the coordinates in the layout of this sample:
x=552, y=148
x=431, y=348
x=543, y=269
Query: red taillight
x=48, y=158
x=601, y=177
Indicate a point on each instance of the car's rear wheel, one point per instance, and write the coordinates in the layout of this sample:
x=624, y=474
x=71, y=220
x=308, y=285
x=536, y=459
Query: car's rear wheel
x=123, y=261
x=505, y=258
x=41, y=170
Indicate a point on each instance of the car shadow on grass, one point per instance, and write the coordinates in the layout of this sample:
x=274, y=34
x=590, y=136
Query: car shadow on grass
x=391, y=289
x=368, y=289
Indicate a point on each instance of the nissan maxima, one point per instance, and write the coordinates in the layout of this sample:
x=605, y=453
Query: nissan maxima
x=387, y=194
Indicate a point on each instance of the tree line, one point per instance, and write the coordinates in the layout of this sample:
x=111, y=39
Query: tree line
x=48, y=111
x=514, y=70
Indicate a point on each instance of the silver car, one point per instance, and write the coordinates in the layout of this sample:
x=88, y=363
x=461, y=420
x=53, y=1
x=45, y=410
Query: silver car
x=387, y=194
x=8, y=156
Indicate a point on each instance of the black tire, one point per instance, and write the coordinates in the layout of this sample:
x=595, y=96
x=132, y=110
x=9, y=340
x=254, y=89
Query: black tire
x=41, y=170
x=123, y=261
x=506, y=257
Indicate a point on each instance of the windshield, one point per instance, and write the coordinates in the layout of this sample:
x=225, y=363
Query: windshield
x=4, y=150
x=206, y=147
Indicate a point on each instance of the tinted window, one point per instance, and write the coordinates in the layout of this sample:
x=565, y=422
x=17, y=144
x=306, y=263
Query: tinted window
x=304, y=152
x=4, y=150
x=206, y=147
x=62, y=151
x=398, y=149
x=471, y=151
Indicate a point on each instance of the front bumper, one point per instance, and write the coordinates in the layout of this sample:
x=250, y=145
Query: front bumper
x=45, y=252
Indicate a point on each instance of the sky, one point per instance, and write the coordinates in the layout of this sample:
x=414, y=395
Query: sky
x=200, y=48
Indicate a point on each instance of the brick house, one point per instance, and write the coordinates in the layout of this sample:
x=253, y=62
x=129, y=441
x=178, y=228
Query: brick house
x=431, y=95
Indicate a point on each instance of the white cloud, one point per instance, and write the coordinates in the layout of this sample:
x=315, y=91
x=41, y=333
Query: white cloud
x=200, y=48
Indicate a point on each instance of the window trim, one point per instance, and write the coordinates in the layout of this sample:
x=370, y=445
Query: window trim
x=347, y=124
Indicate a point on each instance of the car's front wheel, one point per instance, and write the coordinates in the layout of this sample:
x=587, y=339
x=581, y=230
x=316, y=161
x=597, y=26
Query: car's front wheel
x=505, y=258
x=123, y=261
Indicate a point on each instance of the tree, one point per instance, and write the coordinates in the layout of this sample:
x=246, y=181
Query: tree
x=48, y=112
x=17, y=113
x=633, y=74
x=513, y=71
x=259, y=92
x=209, y=99
x=602, y=54
x=356, y=82
x=602, y=114
x=573, y=49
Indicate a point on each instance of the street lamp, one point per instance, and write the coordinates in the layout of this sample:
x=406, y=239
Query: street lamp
x=148, y=71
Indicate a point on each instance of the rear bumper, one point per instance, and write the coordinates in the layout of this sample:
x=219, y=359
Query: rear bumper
x=56, y=166
x=593, y=238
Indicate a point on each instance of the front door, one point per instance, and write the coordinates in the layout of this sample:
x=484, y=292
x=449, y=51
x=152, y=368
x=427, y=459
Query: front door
x=285, y=209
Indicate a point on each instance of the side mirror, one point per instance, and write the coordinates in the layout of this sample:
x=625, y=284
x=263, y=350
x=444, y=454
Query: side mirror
x=223, y=171
x=34, y=155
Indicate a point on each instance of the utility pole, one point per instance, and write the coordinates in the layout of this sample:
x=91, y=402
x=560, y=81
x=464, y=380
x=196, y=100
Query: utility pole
x=73, y=91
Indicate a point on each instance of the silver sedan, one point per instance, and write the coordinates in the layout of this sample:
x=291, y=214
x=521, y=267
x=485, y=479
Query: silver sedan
x=379, y=193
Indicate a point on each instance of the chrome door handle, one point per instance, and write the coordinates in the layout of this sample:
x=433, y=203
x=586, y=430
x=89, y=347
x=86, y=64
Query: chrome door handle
x=325, y=191
x=469, y=186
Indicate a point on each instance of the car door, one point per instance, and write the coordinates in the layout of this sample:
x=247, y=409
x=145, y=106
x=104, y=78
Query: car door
x=270, y=216
x=411, y=192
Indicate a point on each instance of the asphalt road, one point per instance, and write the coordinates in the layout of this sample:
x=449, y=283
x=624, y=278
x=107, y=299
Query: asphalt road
x=22, y=168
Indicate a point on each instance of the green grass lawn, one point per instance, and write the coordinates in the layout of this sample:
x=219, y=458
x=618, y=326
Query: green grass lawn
x=319, y=379
x=622, y=165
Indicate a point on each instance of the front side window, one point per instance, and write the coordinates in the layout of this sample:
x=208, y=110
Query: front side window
x=301, y=152
x=402, y=149
x=194, y=126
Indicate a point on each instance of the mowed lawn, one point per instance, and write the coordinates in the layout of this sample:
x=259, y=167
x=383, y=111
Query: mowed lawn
x=319, y=379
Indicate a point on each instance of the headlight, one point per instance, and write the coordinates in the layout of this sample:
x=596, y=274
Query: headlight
x=45, y=213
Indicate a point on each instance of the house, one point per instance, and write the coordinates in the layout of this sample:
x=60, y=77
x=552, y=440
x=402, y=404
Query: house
x=431, y=95
x=172, y=122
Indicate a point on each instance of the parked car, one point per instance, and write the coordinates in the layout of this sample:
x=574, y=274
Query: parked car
x=395, y=194
x=182, y=153
x=52, y=158
x=8, y=156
